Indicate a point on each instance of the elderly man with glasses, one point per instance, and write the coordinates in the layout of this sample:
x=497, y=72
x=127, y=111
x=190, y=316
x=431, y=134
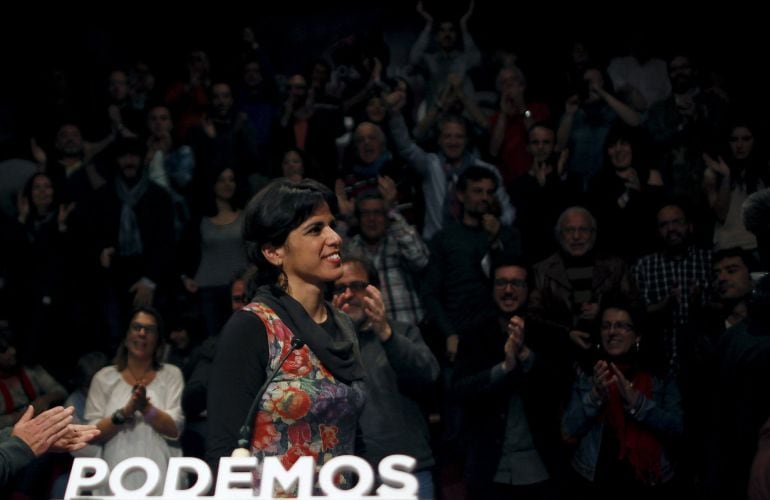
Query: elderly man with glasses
x=570, y=283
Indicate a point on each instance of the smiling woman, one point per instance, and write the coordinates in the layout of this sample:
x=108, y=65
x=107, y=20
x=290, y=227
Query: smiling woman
x=311, y=406
x=621, y=415
x=136, y=403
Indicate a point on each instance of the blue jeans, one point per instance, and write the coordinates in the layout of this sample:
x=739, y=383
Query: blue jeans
x=425, y=484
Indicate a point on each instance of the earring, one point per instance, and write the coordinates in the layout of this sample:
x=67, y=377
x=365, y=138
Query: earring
x=283, y=281
x=636, y=346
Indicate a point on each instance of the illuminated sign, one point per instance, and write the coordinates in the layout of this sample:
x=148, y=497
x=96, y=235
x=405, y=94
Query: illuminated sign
x=235, y=478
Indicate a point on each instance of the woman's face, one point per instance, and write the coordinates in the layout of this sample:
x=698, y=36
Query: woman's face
x=311, y=253
x=620, y=154
x=224, y=187
x=142, y=336
x=741, y=143
x=42, y=193
x=618, y=332
x=292, y=166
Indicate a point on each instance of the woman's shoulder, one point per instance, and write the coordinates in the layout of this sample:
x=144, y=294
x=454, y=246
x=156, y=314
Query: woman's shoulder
x=109, y=375
x=244, y=324
x=169, y=371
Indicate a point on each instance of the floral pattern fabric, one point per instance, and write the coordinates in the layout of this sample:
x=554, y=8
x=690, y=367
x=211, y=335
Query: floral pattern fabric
x=305, y=410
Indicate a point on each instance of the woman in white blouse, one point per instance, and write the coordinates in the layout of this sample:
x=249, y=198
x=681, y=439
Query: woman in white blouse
x=136, y=403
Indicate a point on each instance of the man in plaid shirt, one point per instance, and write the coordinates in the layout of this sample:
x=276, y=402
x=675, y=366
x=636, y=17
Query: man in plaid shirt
x=670, y=280
x=394, y=246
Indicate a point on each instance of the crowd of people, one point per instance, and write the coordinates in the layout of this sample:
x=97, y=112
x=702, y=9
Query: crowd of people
x=536, y=293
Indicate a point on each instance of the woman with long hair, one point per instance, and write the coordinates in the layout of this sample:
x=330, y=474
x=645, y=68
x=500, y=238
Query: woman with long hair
x=212, y=249
x=311, y=407
x=730, y=179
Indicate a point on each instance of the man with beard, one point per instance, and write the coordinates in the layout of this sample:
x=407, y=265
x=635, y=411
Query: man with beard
x=673, y=283
x=225, y=136
x=399, y=368
x=72, y=170
x=455, y=291
x=511, y=396
x=682, y=127
x=670, y=280
x=135, y=238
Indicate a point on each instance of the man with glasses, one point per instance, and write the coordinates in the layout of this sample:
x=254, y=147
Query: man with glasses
x=571, y=282
x=399, y=369
x=507, y=382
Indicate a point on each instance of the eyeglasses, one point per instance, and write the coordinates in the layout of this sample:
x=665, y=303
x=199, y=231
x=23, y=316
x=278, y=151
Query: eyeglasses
x=620, y=326
x=516, y=283
x=138, y=327
x=581, y=230
x=243, y=299
x=355, y=286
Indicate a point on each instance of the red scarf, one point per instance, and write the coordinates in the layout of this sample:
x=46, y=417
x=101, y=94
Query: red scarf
x=26, y=384
x=637, y=444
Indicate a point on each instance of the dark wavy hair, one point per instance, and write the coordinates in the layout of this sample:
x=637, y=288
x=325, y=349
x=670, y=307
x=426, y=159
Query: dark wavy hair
x=121, y=357
x=274, y=212
x=27, y=193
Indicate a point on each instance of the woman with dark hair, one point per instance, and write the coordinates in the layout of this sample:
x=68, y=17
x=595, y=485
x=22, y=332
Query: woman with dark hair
x=311, y=407
x=730, y=180
x=589, y=113
x=137, y=402
x=295, y=165
x=621, y=416
x=212, y=250
x=42, y=249
x=625, y=195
